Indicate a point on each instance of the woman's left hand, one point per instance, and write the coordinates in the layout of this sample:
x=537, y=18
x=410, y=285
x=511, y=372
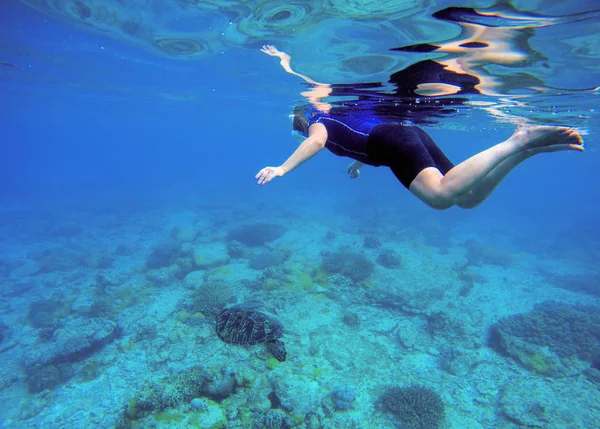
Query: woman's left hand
x=267, y=174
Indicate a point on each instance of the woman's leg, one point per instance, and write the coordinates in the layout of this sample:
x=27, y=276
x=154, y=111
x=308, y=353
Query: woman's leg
x=484, y=188
x=443, y=191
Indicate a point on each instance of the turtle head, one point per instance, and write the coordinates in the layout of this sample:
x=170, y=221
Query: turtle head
x=210, y=311
x=277, y=349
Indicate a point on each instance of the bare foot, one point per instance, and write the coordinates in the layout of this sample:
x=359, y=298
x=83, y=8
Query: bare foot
x=552, y=148
x=532, y=137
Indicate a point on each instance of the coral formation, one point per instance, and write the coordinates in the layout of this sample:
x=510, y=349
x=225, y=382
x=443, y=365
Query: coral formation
x=478, y=253
x=416, y=407
x=210, y=297
x=269, y=258
x=352, y=319
x=371, y=242
x=235, y=249
x=49, y=376
x=256, y=234
x=273, y=419
x=389, y=258
x=343, y=398
x=552, y=330
x=163, y=255
x=355, y=266
x=180, y=387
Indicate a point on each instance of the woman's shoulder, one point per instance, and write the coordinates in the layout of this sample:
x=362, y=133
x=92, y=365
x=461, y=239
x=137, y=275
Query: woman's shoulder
x=315, y=115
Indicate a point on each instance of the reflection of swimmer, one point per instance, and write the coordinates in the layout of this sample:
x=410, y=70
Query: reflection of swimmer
x=410, y=153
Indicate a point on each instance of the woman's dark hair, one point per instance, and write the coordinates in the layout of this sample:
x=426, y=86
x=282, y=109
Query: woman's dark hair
x=300, y=122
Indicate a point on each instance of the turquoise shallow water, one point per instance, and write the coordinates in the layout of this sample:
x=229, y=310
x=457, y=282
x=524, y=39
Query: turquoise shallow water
x=130, y=217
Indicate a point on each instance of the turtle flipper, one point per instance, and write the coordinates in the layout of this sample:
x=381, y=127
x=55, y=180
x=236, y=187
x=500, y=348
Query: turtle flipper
x=277, y=349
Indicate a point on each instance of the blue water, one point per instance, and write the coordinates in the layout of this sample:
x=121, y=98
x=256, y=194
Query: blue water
x=117, y=152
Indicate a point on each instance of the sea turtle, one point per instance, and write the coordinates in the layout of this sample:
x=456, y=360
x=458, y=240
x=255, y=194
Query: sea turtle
x=242, y=324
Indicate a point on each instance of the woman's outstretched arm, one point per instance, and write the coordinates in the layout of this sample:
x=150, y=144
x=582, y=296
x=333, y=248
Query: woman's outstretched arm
x=307, y=149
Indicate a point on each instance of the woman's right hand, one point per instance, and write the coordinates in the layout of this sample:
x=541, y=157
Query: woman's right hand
x=354, y=169
x=267, y=174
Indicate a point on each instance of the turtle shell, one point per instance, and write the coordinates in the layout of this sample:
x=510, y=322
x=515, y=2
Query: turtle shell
x=244, y=326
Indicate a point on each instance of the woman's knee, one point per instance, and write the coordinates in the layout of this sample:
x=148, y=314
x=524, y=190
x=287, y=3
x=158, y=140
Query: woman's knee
x=440, y=203
x=435, y=199
x=428, y=188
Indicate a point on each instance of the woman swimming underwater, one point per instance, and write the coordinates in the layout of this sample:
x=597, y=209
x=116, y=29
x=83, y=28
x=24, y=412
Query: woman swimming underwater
x=414, y=158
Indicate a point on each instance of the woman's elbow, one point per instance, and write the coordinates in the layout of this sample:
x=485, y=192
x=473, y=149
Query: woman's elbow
x=315, y=143
x=319, y=143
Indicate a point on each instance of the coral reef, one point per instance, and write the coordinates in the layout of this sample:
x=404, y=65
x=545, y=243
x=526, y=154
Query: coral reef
x=49, y=376
x=256, y=234
x=235, y=249
x=352, y=319
x=210, y=297
x=588, y=284
x=269, y=258
x=371, y=242
x=163, y=256
x=443, y=325
x=75, y=340
x=478, y=253
x=355, y=266
x=548, y=338
x=388, y=258
x=343, y=398
x=178, y=388
x=273, y=419
x=416, y=407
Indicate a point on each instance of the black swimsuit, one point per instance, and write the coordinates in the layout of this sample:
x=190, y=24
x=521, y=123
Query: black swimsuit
x=407, y=150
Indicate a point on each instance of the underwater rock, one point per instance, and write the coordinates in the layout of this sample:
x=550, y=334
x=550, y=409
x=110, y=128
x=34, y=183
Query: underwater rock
x=352, y=319
x=123, y=250
x=355, y=266
x=97, y=260
x=83, y=305
x=270, y=258
x=343, y=398
x=178, y=388
x=197, y=404
x=55, y=259
x=184, y=233
x=441, y=324
x=256, y=234
x=295, y=396
x=388, y=258
x=48, y=377
x=588, y=284
x=529, y=403
x=371, y=242
x=210, y=255
x=223, y=388
x=554, y=339
x=163, y=255
x=76, y=340
x=479, y=253
x=16, y=288
x=69, y=229
x=454, y=361
x=235, y=249
x=25, y=268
